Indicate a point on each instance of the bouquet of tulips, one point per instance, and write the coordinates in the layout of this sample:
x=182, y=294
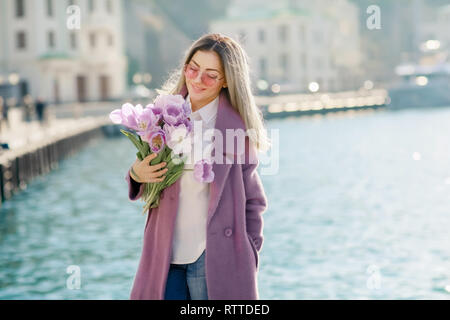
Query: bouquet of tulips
x=164, y=128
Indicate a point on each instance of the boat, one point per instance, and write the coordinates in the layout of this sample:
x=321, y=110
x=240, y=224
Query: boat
x=423, y=84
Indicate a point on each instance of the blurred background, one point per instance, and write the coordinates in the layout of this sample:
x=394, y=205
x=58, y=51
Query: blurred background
x=355, y=95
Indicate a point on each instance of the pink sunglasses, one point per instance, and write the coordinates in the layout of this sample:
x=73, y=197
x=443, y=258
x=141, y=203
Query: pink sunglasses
x=209, y=79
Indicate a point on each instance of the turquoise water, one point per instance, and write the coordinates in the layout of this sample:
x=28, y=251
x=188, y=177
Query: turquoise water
x=358, y=210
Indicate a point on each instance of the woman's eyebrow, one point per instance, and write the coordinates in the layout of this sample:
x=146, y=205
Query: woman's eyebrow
x=206, y=69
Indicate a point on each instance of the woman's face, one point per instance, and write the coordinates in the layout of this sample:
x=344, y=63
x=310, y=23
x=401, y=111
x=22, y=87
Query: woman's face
x=208, y=64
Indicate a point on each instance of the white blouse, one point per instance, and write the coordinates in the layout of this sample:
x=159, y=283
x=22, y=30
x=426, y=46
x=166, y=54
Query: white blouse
x=189, y=238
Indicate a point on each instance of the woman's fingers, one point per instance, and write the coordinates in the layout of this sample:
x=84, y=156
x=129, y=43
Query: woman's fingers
x=153, y=169
x=154, y=176
x=159, y=173
x=153, y=173
x=157, y=166
x=150, y=157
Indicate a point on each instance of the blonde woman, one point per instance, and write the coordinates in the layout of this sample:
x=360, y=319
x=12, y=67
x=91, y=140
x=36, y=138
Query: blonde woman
x=203, y=240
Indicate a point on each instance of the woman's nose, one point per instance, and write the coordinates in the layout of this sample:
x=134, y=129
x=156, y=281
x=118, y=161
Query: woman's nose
x=198, y=78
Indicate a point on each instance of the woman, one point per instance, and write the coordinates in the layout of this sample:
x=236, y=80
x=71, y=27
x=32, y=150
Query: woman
x=203, y=240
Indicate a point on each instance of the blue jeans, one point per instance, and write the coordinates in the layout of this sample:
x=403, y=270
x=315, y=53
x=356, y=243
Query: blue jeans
x=187, y=281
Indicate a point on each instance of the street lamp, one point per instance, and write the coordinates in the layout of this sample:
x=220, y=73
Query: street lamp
x=368, y=85
x=276, y=88
x=313, y=87
x=137, y=78
x=262, y=85
x=147, y=77
x=430, y=45
x=13, y=79
x=421, y=81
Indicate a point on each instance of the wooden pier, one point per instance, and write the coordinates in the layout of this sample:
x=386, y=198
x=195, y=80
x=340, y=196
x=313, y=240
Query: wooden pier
x=36, y=149
x=280, y=106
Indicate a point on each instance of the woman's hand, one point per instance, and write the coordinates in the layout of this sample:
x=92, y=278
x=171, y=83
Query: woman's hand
x=143, y=172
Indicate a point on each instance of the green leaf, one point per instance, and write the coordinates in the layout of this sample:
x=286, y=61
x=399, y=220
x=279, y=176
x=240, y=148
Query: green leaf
x=137, y=143
x=158, y=158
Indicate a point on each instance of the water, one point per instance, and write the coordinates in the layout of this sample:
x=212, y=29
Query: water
x=358, y=210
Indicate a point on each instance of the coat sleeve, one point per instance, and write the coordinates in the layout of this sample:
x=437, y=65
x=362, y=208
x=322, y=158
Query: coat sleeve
x=135, y=189
x=256, y=200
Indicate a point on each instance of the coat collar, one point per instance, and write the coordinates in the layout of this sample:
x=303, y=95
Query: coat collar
x=227, y=118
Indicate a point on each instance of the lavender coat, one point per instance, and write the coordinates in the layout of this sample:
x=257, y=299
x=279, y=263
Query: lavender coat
x=234, y=234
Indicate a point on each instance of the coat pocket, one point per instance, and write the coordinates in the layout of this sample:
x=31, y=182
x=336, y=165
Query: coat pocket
x=255, y=252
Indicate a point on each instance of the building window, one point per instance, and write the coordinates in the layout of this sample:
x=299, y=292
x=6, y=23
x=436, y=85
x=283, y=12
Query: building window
x=318, y=36
x=261, y=36
x=109, y=6
x=91, y=5
x=20, y=8
x=50, y=8
x=284, y=64
x=263, y=68
x=282, y=32
x=21, y=40
x=104, y=87
x=319, y=63
x=92, y=40
x=302, y=31
x=331, y=85
x=51, y=39
x=304, y=61
x=110, y=40
x=242, y=37
x=73, y=40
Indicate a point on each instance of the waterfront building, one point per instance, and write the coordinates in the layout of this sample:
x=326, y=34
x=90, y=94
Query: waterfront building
x=58, y=58
x=292, y=44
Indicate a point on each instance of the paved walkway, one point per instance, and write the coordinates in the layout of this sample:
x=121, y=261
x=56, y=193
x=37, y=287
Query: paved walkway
x=23, y=135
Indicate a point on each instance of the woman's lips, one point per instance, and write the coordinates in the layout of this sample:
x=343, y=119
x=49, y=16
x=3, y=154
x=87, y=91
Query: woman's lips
x=197, y=89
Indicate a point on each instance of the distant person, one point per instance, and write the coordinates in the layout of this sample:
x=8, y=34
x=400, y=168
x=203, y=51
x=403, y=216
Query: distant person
x=3, y=146
x=2, y=103
x=5, y=111
x=28, y=108
x=40, y=109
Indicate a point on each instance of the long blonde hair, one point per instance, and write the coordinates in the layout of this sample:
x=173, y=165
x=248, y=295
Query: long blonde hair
x=235, y=63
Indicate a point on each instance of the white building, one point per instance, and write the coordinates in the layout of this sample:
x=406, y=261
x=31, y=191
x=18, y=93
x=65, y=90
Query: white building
x=293, y=43
x=62, y=63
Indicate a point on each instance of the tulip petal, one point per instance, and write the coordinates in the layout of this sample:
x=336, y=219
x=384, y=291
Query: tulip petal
x=116, y=116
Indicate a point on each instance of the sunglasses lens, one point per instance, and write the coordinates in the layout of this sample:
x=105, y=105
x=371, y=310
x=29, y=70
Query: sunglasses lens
x=192, y=74
x=207, y=80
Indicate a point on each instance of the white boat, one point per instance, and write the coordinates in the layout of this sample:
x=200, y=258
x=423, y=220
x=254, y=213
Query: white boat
x=425, y=84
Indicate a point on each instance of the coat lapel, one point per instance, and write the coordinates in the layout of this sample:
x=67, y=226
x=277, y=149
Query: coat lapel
x=227, y=118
